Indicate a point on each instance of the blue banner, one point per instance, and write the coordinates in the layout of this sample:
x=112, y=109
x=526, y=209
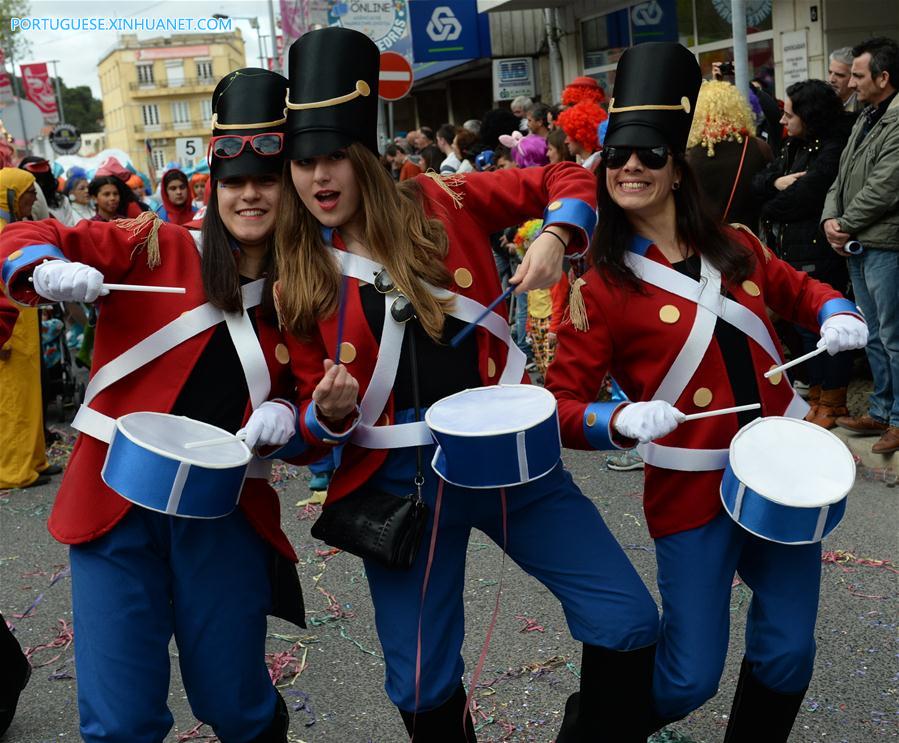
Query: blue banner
x=448, y=30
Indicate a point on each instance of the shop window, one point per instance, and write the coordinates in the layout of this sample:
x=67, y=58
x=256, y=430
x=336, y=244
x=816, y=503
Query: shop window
x=605, y=38
x=713, y=19
x=761, y=61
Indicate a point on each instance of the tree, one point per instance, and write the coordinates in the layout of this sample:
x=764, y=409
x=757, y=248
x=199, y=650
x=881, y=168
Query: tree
x=80, y=107
x=12, y=41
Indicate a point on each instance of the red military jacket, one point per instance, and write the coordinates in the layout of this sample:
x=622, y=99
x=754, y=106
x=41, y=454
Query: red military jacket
x=85, y=508
x=636, y=337
x=471, y=207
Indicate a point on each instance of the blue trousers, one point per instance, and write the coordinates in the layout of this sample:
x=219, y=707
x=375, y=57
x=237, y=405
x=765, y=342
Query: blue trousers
x=206, y=583
x=554, y=533
x=875, y=278
x=696, y=570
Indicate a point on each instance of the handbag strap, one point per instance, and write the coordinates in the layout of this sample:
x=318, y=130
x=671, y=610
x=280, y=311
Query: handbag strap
x=416, y=403
x=736, y=180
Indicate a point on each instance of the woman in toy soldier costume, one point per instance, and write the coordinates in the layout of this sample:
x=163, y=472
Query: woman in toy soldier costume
x=140, y=576
x=635, y=315
x=347, y=216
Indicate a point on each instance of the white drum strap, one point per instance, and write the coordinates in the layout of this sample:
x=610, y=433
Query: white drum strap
x=252, y=359
x=367, y=434
x=684, y=460
x=187, y=325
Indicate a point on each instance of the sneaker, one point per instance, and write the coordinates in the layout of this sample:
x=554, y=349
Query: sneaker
x=319, y=482
x=625, y=460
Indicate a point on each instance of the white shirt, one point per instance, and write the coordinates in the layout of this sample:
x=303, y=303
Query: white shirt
x=450, y=164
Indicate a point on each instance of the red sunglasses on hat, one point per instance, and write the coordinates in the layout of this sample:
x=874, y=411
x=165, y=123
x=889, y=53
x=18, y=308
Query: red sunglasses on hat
x=227, y=146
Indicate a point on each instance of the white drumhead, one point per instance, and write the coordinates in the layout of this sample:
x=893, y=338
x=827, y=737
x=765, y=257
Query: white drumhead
x=167, y=434
x=490, y=411
x=792, y=462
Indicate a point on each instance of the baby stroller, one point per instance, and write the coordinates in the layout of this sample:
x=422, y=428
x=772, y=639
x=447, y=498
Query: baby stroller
x=62, y=387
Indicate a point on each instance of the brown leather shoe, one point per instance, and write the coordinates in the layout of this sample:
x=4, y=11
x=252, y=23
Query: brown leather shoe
x=888, y=443
x=831, y=405
x=863, y=424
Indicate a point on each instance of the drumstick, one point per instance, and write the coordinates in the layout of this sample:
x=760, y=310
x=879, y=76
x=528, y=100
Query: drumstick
x=140, y=288
x=722, y=411
x=341, y=314
x=782, y=367
x=216, y=442
x=463, y=334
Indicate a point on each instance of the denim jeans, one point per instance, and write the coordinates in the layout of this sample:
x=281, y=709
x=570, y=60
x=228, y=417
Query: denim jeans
x=875, y=280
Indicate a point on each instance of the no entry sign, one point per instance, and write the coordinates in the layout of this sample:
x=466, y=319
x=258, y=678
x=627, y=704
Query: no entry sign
x=395, y=77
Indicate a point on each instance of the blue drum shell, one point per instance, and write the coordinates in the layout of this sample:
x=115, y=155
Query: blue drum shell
x=774, y=521
x=167, y=485
x=492, y=461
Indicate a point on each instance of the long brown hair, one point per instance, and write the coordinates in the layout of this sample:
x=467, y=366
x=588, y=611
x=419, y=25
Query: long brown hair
x=396, y=230
x=695, y=227
x=219, y=263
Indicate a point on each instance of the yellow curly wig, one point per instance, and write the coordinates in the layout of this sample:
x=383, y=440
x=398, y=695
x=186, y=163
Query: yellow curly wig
x=722, y=114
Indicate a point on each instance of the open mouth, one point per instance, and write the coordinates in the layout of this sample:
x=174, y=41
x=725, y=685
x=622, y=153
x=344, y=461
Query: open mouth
x=327, y=199
x=633, y=186
x=251, y=213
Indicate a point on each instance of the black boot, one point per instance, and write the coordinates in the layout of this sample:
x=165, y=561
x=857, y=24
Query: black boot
x=442, y=724
x=276, y=732
x=13, y=677
x=759, y=713
x=615, y=700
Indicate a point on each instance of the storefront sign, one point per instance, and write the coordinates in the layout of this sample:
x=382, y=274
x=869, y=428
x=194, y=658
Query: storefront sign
x=65, y=139
x=384, y=22
x=655, y=21
x=443, y=29
x=513, y=77
x=795, y=56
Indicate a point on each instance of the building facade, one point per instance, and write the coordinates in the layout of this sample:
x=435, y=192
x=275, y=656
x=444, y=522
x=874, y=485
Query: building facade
x=158, y=90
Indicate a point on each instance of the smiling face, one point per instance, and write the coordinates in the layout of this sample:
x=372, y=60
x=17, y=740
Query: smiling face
x=328, y=187
x=795, y=126
x=641, y=190
x=80, y=193
x=177, y=192
x=108, y=200
x=248, y=206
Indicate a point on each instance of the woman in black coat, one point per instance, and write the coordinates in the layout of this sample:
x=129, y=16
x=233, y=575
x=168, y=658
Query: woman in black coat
x=793, y=188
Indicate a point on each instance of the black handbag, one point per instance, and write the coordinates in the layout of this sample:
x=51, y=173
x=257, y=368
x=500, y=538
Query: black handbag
x=375, y=525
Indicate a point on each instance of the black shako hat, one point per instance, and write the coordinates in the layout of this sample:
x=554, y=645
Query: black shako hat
x=656, y=86
x=333, y=96
x=245, y=102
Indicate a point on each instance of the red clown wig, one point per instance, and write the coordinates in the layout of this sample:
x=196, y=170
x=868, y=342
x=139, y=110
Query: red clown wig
x=580, y=123
x=583, y=89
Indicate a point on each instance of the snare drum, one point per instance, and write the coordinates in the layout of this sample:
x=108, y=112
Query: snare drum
x=148, y=465
x=494, y=437
x=787, y=480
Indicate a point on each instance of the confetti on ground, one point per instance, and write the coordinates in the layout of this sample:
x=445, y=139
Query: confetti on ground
x=64, y=637
x=195, y=734
x=285, y=667
x=62, y=571
x=843, y=559
x=529, y=625
x=631, y=516
x=302, y=704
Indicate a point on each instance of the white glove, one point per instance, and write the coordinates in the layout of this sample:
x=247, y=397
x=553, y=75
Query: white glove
x=646, y=421
x=61, y=281
x=843, y=333
x=271, y=424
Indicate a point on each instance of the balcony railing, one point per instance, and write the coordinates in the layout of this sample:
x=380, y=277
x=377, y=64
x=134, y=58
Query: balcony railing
x=166, y=85
x=158, y=130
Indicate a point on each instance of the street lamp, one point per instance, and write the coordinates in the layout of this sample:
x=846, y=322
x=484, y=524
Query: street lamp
x=254, y=24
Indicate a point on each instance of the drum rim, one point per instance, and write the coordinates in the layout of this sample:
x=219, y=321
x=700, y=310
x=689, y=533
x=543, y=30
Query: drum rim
x=778, y=541
x=175, y=457
x=772, y=499
x=438, y=449
x=463, y=434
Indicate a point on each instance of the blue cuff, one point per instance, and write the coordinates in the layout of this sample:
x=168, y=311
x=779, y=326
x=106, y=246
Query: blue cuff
x=25, y=259
x=575, y=214
x=837, y=307
x=296, y=445
x=322, y=433
x=598, y=424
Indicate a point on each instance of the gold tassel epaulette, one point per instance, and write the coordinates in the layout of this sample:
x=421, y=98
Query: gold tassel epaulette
x=448, y=183
x=577, y=310
x=150, y=241
x=743, y=228
x=276, y=301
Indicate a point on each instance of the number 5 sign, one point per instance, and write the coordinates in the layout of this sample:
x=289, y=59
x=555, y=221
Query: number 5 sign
x=188, y=149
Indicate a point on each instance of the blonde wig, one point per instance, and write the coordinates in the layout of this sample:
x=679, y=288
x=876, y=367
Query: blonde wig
x=396, y=231
x=722, y=114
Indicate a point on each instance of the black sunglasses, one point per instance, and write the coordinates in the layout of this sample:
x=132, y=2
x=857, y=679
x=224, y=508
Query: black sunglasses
x=653, y=158
x=401, y=310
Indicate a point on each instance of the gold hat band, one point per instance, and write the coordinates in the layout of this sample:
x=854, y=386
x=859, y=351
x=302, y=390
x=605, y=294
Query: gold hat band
x=684, y=106
x=258, y=125
x=362, y=88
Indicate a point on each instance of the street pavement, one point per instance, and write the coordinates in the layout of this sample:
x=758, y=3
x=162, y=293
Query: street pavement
x=532, y=666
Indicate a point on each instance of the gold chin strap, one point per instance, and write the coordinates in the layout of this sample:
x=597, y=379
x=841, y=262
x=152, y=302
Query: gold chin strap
x=258, y=125
x=684, y=106
x=362, y=88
